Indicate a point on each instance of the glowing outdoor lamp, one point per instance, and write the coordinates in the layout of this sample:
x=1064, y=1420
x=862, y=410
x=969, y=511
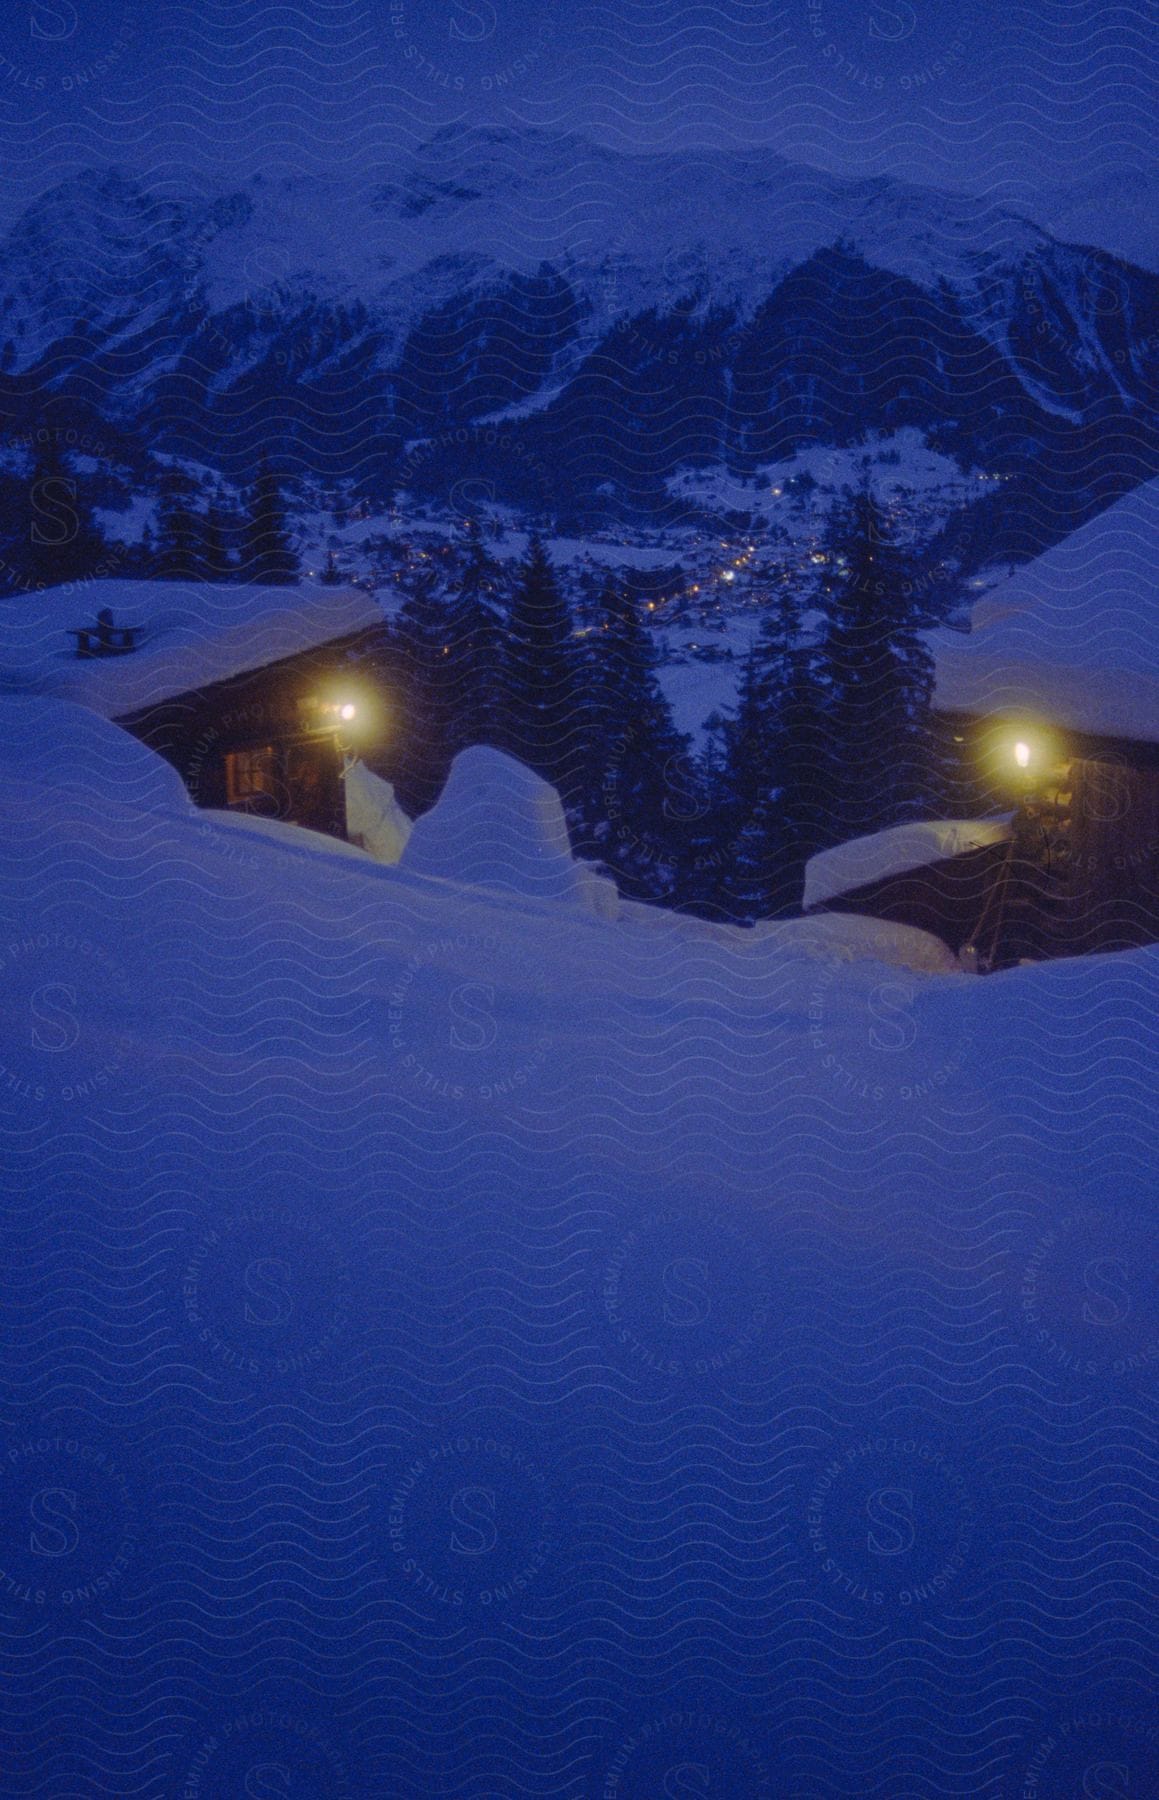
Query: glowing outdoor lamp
x=348, y=712
x=1015, y=752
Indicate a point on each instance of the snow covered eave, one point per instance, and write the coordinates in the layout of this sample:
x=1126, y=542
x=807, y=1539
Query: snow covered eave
x=1096, y=703
x=1071, y=638
x=855, y=864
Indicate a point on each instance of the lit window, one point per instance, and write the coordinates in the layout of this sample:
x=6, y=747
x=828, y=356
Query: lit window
x=250, y=774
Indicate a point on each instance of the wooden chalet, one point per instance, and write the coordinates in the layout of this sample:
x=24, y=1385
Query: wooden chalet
x=1049, y=709
x=253, y=693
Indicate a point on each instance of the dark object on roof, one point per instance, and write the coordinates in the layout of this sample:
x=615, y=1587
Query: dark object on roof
x=105, y=638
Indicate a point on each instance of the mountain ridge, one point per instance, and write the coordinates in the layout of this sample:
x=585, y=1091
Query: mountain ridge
x=579, y=301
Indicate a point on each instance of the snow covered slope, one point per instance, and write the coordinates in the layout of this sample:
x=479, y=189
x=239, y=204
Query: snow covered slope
x=629, y=230
x=342, y=1203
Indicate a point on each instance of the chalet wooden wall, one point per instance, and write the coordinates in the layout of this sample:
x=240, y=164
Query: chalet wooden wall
x=197, y=731
x=1080, y=875
x=1111, y=879
x=951, y=898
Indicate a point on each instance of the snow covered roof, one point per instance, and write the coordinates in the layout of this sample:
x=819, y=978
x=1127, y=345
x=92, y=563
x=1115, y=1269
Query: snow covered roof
x=1072, y=637
x=193, y=634
x=849, y=866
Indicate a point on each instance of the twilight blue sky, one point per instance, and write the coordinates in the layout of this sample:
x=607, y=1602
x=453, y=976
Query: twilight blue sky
x=991, y=95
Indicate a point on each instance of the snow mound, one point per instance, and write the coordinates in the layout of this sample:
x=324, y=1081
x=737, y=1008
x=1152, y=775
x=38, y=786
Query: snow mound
x=498, y=825
x=844, y=938
x=882, y=853
x=77, y=754
x=374, y=817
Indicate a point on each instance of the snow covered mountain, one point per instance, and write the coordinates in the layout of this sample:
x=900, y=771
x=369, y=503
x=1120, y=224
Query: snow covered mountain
x=573, y=322
x=1119, y=212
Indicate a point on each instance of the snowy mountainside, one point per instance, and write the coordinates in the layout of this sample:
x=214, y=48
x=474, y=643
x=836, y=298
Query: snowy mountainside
x=1117, y=212
x=627, y=230
x=574, y=322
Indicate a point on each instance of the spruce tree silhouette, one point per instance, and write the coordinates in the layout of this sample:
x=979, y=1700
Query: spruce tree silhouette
x=878, y=675
x=268, y=554
x=640, y=791
x=53, y=537
x=475, y=644
x=543, y=716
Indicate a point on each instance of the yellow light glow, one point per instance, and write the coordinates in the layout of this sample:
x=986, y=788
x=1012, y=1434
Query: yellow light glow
x=348, y=711
x=1022, y=754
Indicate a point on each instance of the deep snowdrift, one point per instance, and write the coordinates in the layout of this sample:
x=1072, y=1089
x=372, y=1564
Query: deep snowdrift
x=478, y=971
x=486, y=969
x=339, y=1197
x=78, y=758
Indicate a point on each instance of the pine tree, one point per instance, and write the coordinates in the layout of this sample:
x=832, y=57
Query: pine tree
x=422, y=630
x=543, y=715
x=705, y=849
x=143, y=556
x=217, y=528
x=179, y=531
x=268, y=554
x=878, y=673
x=750, y=819
x=773, y=800
x=475, y=642
x=641, y=792
x=56, y=537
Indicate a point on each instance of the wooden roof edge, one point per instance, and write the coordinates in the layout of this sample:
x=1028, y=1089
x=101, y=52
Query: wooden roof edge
x=195, y=695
